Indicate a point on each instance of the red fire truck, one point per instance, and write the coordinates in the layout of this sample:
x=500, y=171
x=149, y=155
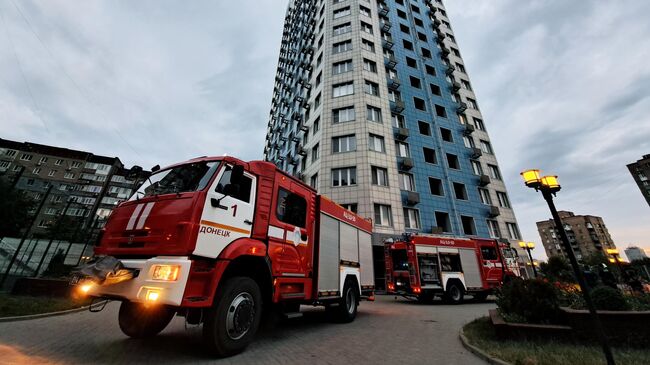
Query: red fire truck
x=219, y=240
x=425, y=266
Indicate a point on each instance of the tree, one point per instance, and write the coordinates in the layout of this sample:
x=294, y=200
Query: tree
x=14, y=210
x=557, y=269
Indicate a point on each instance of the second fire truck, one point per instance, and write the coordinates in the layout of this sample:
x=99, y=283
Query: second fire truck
x=426, y=266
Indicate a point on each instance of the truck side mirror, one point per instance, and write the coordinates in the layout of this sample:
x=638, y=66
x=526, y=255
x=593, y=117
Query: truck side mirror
x=237, y=175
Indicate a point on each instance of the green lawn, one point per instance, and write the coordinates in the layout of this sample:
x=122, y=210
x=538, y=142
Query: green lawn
x=15, y=305
x=481, y=334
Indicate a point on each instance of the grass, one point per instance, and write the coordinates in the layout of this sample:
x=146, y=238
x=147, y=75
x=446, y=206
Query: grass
x=481, y=334
x=16, y=305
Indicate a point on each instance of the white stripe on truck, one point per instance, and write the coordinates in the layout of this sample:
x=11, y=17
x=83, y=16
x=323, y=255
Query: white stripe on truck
x=144, y=215
x=134, y=216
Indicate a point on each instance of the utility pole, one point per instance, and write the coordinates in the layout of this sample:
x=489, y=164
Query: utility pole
x=22, y=240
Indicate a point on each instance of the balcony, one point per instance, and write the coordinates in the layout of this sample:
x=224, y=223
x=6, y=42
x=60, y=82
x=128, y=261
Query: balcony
x=393, y=83
x=455, y=86
x=476, y=153
x=412, y=198
x=401, y=134
x=450, y=69
x=461, y=107
x=383, y=10
x=397, y=106
x=385, y=25
x=483, y=180
x=390, y=61
x=494, y=211
x=301, y=151
x=387, y=42
x=469, y=129
x=406, y=164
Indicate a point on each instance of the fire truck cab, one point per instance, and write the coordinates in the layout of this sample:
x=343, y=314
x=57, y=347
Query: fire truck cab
x=425, y=266
x=219, y=240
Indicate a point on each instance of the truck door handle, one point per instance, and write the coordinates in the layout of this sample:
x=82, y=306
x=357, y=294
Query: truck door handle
x=248, y=222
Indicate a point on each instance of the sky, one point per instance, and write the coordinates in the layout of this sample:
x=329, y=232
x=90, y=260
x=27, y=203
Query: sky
x=564, y=86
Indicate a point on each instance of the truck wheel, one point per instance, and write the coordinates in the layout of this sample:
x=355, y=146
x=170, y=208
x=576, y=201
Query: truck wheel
x=230, y=325
x=346, y=311
x=138, y=321
x=454, y=293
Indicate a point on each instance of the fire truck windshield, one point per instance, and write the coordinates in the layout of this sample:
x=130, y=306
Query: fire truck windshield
x=179, y=179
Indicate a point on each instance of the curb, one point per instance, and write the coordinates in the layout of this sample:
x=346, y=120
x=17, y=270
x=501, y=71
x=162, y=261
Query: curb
x=43, y=315
x=480, y=353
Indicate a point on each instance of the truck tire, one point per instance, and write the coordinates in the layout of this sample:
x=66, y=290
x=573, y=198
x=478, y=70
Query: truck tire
x=346, y=311
x=454, y=293
x=232, y=321
x=139, y=321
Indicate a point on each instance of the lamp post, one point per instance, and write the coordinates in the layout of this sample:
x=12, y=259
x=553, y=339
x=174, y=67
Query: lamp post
x=549, y=186
x=528, y=246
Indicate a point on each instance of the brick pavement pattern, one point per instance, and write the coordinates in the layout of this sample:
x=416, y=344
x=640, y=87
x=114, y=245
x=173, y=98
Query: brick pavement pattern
x=388, y=331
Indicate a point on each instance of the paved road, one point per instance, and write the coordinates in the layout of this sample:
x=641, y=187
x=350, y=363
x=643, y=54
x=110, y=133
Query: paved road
x=387, y=331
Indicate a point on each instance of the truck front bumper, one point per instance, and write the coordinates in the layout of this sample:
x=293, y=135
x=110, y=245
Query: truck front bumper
x=143, y=288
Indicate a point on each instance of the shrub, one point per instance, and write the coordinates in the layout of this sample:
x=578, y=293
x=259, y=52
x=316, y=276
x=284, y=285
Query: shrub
x=533, y=301
x=607, y=298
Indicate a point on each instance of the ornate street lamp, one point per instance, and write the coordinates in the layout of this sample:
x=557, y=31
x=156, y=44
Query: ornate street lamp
x=549, y=186
x=528, y=246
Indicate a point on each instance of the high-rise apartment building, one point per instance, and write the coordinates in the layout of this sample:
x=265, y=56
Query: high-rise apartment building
x=587, y=235
x=373, y=107
x=635, y=253
x=640, y=171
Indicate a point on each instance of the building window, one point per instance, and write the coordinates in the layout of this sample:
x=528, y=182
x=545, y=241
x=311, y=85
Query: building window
x=419, y=103
x=315, y=153
x=452, y=161
x=479, y=124
x=504, y=202
x=435, y=89
x=425, y=52
x=383, y=215
x=367, y=45
x=472, y=103
x=477, y=169
x=407, y=44
x=76, y=164
x=460, y=67
x=405, y=29
x=342, y=67
x=316, y=126
x=424, y=127
x=442, y=221
x=406, y=181
x=402, y=149
x=494, y=172
x=11, y=153
x=369, y=66
x=493, y=228
x=365, y=27
x=422, y=37
x=429, y=155
x=441, y=111
x=4, y=164
x=459, y=191
x=468, y=142
x=343, y=89
x=373, y=114
x=26, y=157
x=341, y=47
x=466, y=84
x=411, y=218
x=468, y=225
x=342, y=28
x=317, y=101
x=379, y=176
x=446, y=135
x=313, y=181
x=364, y=11
x=344, y=144
x=411, y=62
x=371, y=88
x=346, y=176
x=350, y=206
x=415, y=82
x=343, y=114
x=42, y=160
x=485, y=196
x=486, y=147
x=430, y=70
x=397, y=121
x=435, y=186
x=513, y=231
x=36, y=171
x=376, y=143
x=68, y=175
x=339, y=13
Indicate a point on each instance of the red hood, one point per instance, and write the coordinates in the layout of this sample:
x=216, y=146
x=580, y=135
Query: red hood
x=157, y=225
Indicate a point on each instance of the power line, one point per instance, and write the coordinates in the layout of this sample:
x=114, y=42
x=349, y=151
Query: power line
x=22, y=73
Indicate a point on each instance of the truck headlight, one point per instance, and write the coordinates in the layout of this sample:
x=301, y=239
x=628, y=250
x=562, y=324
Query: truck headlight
x=166, y=272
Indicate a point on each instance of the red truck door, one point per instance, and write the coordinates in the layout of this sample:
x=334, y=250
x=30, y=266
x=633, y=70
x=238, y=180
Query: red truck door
x=491, y=263
x=291, y=229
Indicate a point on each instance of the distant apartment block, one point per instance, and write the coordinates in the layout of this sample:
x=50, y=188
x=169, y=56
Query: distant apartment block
x=640, y=171
x=89, y=185
x=635, y=253
x=587, y=235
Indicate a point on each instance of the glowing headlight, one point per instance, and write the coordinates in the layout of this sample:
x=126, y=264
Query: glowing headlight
x=166, y=272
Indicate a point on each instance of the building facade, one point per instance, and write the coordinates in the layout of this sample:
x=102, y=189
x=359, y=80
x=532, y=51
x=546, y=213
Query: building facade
x=373, y=107
x=587, y=234
x=73, y=183
x=635, y=253
x=640, y=171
